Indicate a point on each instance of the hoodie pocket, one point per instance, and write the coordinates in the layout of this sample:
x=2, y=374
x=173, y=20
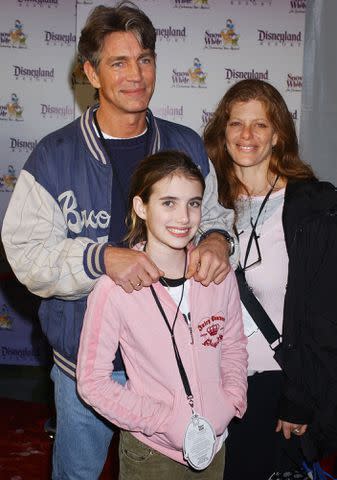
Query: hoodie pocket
x=171, y=433
x=217, y=406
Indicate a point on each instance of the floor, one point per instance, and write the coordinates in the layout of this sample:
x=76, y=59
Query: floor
x=26, y=403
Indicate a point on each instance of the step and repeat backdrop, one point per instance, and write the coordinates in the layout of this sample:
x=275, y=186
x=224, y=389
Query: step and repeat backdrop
x=203, y=47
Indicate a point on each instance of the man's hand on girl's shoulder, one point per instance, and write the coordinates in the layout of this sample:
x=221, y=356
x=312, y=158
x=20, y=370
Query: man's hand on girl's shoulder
x=209, y=261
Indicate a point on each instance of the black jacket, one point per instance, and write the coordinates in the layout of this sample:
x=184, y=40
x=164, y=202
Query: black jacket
x=310, y=314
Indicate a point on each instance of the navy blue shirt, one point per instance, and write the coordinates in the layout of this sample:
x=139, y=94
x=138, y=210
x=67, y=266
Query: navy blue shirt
x=124, y=155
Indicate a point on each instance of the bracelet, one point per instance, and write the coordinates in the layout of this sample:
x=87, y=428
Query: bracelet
x=225, y=234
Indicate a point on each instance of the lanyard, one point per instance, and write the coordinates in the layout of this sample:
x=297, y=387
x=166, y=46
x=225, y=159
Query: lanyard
x=253, y=235
x=181, y=368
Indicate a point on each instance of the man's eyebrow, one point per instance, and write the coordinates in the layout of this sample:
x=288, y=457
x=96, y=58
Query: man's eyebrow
x=116, y=58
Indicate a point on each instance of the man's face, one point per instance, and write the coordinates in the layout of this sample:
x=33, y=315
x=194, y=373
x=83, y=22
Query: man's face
x=125, y=76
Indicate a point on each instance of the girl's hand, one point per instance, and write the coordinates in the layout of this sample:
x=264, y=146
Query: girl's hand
x=289, y=428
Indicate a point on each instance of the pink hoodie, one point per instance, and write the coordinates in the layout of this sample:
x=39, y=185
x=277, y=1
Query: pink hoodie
x=153, y=404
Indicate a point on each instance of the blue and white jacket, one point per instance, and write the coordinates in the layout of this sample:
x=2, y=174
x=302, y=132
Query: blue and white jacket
x=56, y=226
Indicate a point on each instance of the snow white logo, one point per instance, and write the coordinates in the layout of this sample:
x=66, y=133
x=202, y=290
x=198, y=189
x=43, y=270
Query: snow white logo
x=6, y=322
x=12, y=110
x=229, y=37
x=17, y=36
x=197, y=75
x=8, y=180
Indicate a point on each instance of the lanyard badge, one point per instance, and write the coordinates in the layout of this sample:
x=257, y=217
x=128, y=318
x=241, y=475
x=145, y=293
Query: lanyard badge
x=200, y=438
x=199, y=442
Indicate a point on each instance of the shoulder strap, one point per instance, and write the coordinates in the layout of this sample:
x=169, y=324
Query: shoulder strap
x=256, y=311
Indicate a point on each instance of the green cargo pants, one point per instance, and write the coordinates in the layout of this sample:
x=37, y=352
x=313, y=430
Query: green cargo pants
x=137, y=461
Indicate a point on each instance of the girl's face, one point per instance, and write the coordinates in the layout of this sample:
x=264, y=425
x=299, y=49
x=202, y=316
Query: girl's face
x=173, y=212
x=249, y=135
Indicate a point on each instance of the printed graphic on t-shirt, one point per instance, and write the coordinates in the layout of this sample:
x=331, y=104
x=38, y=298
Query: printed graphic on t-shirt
x=211, y=330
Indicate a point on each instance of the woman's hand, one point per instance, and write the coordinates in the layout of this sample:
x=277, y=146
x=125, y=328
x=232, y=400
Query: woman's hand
x=289, y=428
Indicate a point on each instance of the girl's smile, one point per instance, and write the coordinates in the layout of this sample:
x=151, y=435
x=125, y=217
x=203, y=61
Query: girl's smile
x=172, y=214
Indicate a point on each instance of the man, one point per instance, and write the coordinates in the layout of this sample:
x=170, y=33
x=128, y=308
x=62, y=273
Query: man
x=64, y=226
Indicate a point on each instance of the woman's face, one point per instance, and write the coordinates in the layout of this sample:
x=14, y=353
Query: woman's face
x=249, y=135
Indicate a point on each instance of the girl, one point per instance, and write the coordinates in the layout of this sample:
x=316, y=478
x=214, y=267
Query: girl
x=182, y=343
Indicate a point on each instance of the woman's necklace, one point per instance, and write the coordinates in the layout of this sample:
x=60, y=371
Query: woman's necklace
x=253, y=236
x=266, y=188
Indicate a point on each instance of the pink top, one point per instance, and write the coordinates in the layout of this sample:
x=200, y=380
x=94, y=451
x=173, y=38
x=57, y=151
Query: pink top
x=269, y=278
x=153, y=404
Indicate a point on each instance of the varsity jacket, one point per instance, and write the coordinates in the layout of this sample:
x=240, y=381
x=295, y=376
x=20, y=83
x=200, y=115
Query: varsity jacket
x=153, y=404
x=310, y=314
x=56, y=226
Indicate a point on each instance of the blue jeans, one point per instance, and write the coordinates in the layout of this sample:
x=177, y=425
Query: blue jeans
x=82, y=436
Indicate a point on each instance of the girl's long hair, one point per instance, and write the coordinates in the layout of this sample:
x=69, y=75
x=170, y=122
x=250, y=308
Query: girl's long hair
x=285, y=160
x=150, y=171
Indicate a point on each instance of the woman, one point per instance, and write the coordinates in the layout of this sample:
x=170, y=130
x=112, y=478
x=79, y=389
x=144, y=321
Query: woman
x=287, y=228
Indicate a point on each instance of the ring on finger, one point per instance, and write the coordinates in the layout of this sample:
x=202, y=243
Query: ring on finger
x=296, y=430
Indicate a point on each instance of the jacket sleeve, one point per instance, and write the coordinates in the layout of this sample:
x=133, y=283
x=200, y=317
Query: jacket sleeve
x=34, y=236
x=234, y=361
x=99, y=341
x=214, y=215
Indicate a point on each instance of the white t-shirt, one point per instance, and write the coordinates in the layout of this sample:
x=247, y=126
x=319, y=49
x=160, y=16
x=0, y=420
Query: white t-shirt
x=268, y=279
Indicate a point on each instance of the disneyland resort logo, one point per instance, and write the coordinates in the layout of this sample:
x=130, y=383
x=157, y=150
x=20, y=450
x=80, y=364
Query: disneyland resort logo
x=170, y=33
x=38, y=3
x=23, y=354
x=169, y=112
x=37, y=73
x=56, y=111
x=194, y=77
x=21, y=145
x=294, y=83
x=297, y=6
x=12, y=109
x=226, y=39
x=200, y=4
x=279, y=38
x=233, y=75
x=15, y=38
x=8, y=179
x=60, y=39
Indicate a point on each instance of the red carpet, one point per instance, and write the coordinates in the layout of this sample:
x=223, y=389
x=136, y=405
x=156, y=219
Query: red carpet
x=25, y=449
